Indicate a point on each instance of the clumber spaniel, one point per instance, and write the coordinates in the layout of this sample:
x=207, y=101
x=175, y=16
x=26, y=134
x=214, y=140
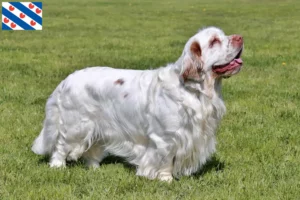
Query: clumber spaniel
x=163, y=121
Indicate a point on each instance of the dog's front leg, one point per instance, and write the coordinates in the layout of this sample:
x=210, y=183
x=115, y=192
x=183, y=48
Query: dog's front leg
x=157, y=162
x=154, y=166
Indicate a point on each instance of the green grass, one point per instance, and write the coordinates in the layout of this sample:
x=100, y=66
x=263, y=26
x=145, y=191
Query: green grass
x=258, y=154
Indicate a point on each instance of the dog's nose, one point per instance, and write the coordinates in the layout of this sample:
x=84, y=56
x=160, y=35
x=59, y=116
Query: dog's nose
x=237, y=40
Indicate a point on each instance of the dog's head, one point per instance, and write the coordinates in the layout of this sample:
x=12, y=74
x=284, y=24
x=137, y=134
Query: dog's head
x=211, y=52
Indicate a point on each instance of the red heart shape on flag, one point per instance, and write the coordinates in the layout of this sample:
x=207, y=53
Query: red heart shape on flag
x=31, y=6
x=38, y=11
x=32, y=23
x=13, y=25
x=22, y=15
x=6, y=20
x=11, y=8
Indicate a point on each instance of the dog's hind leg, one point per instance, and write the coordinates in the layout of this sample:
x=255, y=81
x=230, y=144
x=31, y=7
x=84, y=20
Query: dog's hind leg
x=59, y=155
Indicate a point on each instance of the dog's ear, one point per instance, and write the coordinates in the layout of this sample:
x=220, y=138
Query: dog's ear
x=196, y=49
x=192, y=65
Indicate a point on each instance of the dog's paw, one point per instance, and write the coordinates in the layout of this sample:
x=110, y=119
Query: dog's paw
x=166, y=177
x=57, y=164
x=92, y=164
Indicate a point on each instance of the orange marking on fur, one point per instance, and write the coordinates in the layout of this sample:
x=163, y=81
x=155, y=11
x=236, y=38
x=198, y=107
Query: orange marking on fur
x=214, y=40
x=185, y=74
x=119, y=82
x=191, y=73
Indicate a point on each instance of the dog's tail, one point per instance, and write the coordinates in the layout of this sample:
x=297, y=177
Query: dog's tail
x=44, y=144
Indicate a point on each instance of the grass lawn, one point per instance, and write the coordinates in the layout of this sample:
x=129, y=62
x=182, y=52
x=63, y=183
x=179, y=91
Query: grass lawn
x=258, y=152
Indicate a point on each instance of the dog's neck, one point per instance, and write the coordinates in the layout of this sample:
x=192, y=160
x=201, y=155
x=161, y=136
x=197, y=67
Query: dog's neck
x=207, y=91
x=210, y=85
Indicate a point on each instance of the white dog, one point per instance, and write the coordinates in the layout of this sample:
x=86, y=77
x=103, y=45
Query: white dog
x=163, y=121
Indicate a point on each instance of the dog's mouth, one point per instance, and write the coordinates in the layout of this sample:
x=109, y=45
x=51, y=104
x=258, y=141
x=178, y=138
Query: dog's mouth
x=234, y=65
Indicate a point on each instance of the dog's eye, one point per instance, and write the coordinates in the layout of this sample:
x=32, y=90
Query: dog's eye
x=214, y=41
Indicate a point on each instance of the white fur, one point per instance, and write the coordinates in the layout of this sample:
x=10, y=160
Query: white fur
x=155, y=119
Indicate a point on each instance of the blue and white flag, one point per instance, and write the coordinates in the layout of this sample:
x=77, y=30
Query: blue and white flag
x=22, y=15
